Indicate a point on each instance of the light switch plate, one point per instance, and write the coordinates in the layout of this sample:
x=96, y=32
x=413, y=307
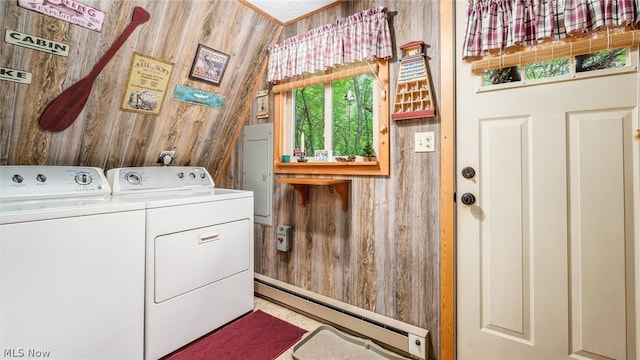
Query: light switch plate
x=425, y=142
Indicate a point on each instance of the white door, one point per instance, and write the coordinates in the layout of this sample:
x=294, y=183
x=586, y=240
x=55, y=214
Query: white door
x=547, y=256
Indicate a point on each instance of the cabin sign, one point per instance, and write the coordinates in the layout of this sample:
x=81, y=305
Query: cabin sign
x=36, y=43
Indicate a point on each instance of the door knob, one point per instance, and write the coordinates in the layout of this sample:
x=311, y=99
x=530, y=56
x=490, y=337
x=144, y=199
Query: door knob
x=468, y=199
x=468, y=172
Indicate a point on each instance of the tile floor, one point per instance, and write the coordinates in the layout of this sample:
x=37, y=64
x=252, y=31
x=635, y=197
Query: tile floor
x=290, y=316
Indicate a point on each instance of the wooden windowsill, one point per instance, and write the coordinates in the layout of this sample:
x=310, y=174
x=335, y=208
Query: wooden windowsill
x=328, y=168
x=301, y=186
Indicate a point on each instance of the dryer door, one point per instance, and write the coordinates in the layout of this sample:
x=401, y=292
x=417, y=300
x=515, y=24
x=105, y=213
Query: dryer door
x=189, y=260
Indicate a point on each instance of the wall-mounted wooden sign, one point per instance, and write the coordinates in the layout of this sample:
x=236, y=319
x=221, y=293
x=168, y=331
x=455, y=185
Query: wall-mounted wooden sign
x=199, y=97
x=413, y=91
x=147, y=84
x=18, y=76
x=69, y=11
x=36, y=43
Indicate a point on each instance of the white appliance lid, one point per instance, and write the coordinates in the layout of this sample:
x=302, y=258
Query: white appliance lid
x=177, y=198
x=46, y=209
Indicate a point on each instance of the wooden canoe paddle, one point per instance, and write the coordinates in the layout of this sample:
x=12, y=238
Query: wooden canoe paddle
x=64, y=109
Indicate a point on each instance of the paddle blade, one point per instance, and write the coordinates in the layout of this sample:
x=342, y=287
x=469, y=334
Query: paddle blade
x=140, y=15
x=64, y=110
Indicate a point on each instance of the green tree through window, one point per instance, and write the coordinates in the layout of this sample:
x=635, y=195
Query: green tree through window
x=309, y=115
x=350, y=119
x=605, y=59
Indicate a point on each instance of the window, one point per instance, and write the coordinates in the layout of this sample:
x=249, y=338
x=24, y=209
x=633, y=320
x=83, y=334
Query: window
x=336, y=116
x=344, y=112
x=605, y=59
x=557, y=68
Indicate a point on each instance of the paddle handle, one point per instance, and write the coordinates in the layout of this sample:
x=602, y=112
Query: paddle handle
x=140, y=16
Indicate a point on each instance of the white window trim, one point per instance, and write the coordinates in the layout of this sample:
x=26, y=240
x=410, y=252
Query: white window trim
x=632, y=66
x=290, y=129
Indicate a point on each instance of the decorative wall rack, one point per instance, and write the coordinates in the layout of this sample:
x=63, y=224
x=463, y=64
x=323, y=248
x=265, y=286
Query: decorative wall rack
x=413, y=92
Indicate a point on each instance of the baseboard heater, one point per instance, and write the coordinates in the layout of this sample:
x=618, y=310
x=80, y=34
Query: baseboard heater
x=391, y=333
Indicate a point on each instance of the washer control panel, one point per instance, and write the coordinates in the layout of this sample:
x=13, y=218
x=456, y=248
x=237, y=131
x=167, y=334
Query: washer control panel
x=47, y=181
x=156, y=178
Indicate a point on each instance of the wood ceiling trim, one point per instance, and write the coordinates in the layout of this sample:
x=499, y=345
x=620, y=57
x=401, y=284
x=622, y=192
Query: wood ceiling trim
x=247, y=111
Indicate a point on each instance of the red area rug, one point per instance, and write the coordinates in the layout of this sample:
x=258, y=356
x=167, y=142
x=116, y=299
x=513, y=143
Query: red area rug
x=255, y=336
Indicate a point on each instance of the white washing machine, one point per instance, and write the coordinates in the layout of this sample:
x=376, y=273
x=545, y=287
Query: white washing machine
x=199, y=252
x=71, y=266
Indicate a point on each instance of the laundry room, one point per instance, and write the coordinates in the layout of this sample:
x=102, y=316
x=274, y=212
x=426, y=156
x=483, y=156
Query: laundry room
x=188, y=85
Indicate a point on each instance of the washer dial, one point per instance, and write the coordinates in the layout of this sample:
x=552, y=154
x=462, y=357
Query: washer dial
x=83, y=178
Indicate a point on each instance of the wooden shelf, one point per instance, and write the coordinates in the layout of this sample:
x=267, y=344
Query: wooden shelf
x=413, y=114
x=301, y=186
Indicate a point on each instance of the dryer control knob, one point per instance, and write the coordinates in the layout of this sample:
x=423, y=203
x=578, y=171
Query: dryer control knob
x=41, y=178
x=181, y=175
x=133, y=178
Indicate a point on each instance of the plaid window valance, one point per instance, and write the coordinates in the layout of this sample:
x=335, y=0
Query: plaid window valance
x=500, y=25
x=363, y=36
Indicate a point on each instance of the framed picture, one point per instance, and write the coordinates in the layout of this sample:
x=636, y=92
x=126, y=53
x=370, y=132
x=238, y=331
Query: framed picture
x=262, y=104
x=208, y=65
x=321, y=155
x=147, y=84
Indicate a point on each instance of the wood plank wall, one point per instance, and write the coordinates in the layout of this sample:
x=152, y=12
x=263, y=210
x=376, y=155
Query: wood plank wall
x=104, y=136
x=383, y=254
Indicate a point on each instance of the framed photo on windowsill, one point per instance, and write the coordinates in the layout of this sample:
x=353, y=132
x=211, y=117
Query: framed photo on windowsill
x=208, y=65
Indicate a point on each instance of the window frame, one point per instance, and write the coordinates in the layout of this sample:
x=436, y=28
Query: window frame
x=631, y=66
x=380, y=167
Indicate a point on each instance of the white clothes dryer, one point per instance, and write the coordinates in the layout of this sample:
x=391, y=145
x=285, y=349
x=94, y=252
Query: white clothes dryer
x=71, y=266
x=199, y=252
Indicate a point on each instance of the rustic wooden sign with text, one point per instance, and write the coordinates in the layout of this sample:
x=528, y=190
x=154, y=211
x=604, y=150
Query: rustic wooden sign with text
x=36, y=43
x=18, y=76
x=69, y=11
x=196, y=96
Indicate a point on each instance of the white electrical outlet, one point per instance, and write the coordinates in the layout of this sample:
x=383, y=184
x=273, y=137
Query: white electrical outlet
x=425, y=142
x=417, y=346
x=166, y=157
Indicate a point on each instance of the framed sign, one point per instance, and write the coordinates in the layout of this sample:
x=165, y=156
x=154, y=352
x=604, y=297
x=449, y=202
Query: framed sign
x=147, y=84
x=322, y=155
x=208, y=65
